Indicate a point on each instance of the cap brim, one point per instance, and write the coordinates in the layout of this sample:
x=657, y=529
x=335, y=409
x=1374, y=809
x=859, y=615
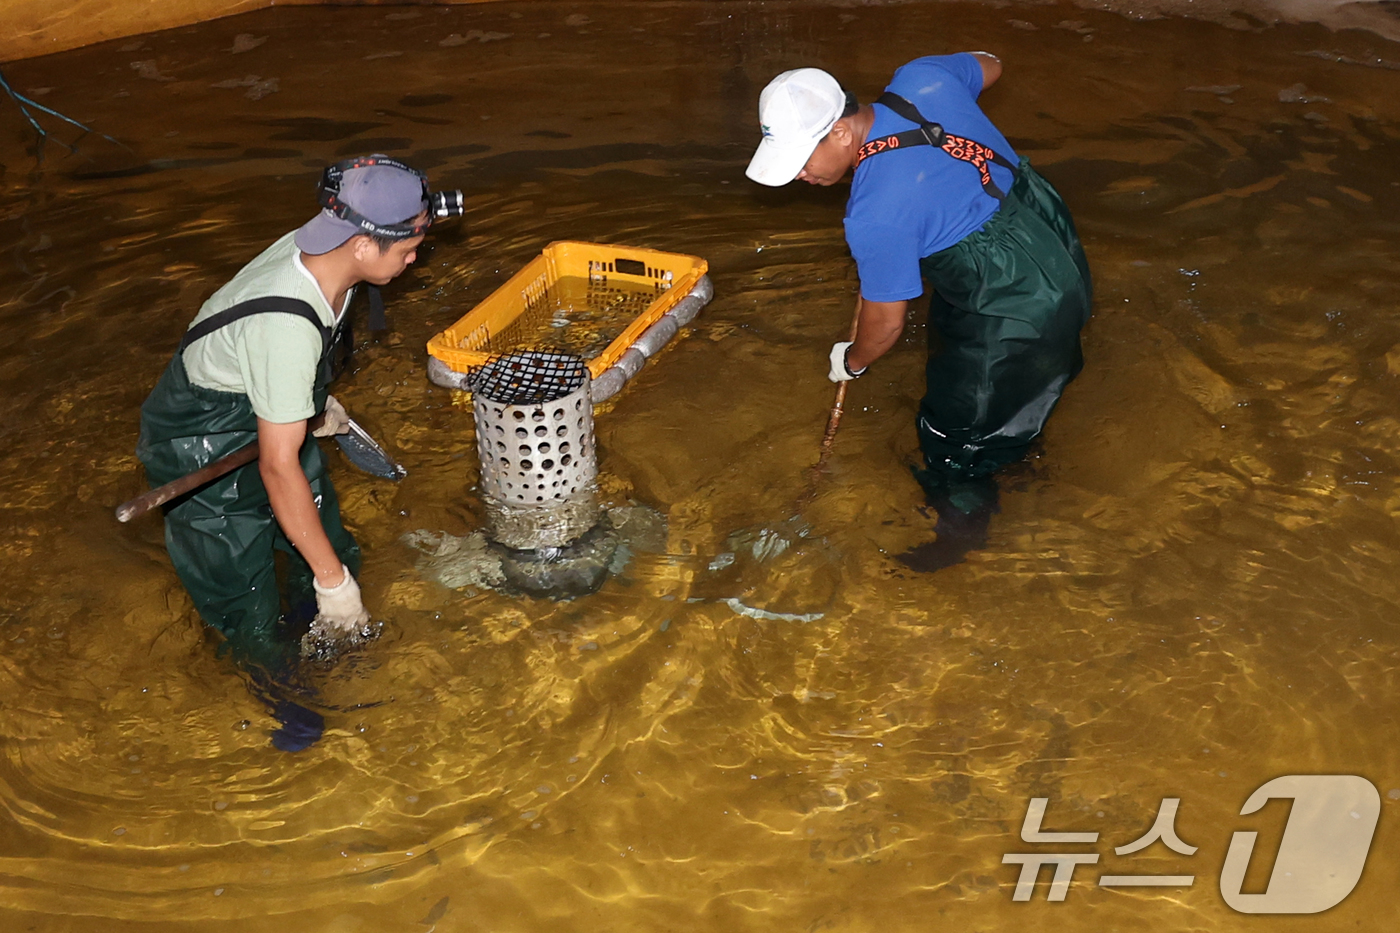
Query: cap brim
x=776, y=165
x=323, y=233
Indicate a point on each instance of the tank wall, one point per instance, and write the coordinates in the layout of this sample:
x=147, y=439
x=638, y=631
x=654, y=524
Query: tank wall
x=38, y=27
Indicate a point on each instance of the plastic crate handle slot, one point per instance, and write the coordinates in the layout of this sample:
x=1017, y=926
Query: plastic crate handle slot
x=630, y=266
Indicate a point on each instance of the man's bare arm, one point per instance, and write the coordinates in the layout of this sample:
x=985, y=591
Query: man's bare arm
x=991, y=68
x=279, y=465
x=881, y=323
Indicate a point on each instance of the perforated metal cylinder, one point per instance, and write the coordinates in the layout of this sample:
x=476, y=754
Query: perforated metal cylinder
x=534, y=430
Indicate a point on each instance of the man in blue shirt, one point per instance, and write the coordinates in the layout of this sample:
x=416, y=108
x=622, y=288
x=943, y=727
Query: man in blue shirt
x=938, y=194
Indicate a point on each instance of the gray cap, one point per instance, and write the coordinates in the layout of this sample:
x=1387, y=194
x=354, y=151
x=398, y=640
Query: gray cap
x=384, y=194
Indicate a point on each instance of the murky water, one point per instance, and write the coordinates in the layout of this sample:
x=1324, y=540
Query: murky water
x=577, y=315
x=1191, y=590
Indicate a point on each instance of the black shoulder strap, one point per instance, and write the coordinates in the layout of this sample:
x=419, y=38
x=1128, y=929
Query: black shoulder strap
x=257, y=306
x=377, y=319
x=932, y=134
x=904, y=109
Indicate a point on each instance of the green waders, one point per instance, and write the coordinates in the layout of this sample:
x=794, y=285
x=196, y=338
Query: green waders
x=222, y=537
x=1008, y=305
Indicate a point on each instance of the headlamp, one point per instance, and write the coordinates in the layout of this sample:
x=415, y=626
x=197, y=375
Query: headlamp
x=439, y=204
x=443, y=204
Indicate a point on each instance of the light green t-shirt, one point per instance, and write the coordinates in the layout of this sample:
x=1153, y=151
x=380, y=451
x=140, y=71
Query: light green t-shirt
x=272, y=357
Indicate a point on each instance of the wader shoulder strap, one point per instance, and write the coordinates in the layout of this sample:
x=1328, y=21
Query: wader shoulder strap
x=257, y=306
x=931, y=134
x=377, y=318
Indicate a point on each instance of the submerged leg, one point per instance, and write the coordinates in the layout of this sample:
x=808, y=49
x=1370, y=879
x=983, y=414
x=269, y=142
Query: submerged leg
x=221, y=541
x=298, y=727
x=965, y=509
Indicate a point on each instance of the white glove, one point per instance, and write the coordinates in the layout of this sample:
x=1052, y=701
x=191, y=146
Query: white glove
x=839, y=371
x=334, y=420
x=339, y=607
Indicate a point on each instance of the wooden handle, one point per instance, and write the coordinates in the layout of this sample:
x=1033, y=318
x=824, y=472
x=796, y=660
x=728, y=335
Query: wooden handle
x=161, y=495
x=833, y=421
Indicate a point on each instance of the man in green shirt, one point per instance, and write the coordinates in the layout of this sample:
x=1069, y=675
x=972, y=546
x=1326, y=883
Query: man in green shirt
x=256, y=364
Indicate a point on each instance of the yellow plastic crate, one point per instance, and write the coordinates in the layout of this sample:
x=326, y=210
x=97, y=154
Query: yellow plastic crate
x=472, y=341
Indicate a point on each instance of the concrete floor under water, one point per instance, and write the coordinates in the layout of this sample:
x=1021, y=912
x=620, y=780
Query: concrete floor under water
x=1189, y=591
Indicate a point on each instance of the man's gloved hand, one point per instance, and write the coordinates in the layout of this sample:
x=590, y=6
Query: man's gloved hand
x=334, y=420
x=339, y=607
x=840, y=372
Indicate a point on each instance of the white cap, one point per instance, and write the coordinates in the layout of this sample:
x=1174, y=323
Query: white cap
x=797, y=109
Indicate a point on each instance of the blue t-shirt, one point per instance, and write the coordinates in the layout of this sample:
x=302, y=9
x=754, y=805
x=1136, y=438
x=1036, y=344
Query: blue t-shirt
x=911, y=202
